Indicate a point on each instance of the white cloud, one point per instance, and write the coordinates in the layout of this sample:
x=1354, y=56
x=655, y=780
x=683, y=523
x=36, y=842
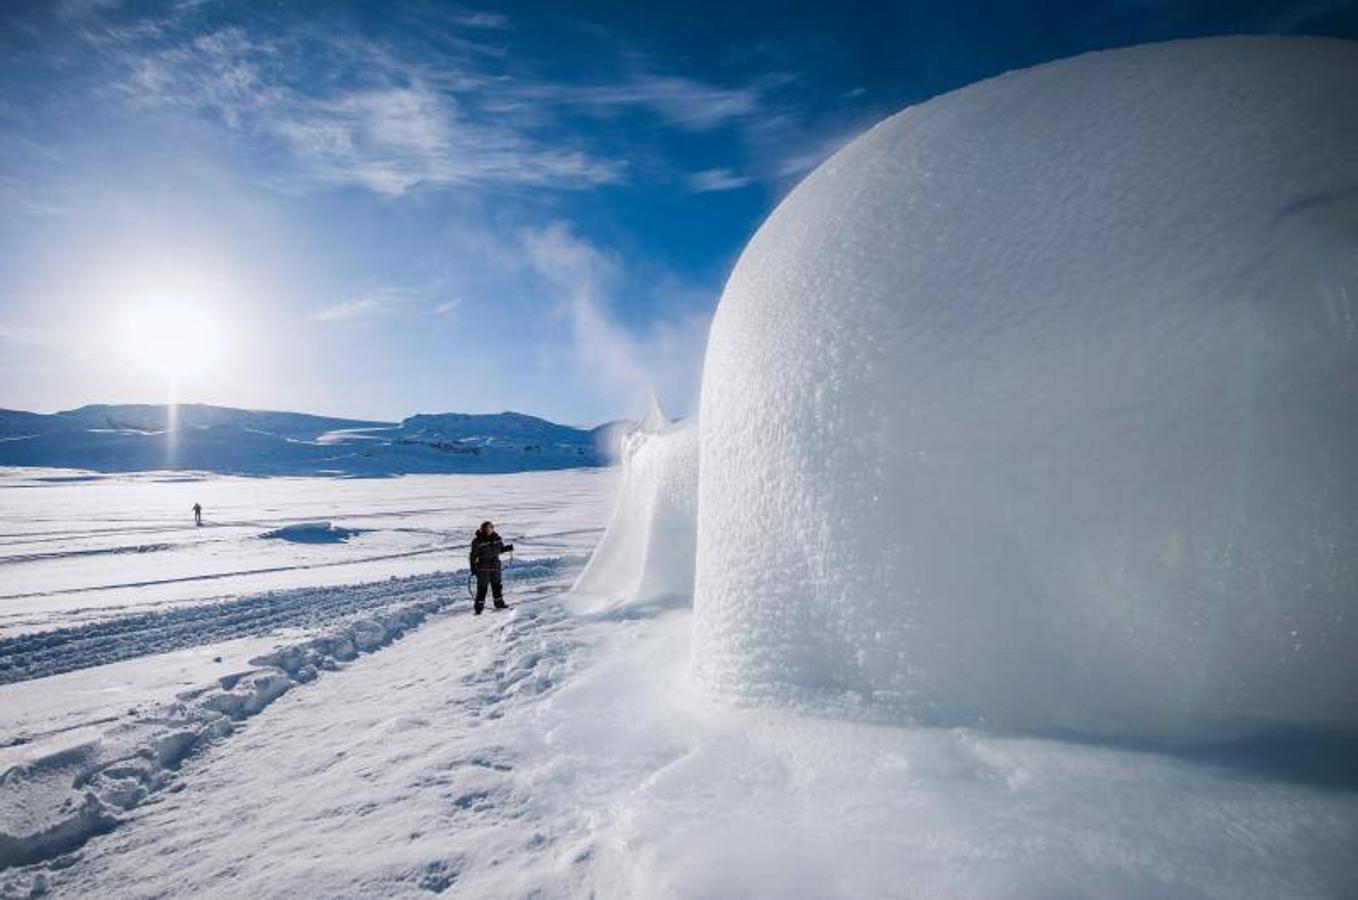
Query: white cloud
x=397, y=131
x=711, y=180
x=691, y=105
x=335, y=108
x=394, y=300
x=492, y=21
x=357, y=308
x=393, y=139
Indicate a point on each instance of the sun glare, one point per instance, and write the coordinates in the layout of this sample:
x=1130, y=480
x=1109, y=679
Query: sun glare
x=174, y=339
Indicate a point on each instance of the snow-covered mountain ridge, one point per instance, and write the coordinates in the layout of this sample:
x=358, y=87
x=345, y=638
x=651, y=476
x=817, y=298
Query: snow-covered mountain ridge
x=144, y=437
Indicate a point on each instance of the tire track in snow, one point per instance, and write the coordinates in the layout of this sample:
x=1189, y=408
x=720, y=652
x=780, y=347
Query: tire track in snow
x=215, y=576
x=46, y=653
x=54, y=804
x=93, y=551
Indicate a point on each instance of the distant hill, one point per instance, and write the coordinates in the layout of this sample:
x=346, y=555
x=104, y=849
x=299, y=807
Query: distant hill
x=141, y=437
x=147, y=417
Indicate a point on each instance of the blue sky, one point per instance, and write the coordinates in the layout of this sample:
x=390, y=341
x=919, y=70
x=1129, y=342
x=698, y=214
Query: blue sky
x=387, y=208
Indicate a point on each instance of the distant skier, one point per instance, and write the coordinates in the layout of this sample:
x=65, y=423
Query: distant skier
x=198, y=514
x=485, y=564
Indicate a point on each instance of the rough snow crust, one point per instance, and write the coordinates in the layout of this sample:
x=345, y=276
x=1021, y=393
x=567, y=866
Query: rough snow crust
x=54, y=803
x=1034, y=407
x=646, y=556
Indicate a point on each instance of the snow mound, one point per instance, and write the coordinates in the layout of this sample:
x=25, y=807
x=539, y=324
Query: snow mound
x=312, y=533
x=1033, y=407
x=646, y=556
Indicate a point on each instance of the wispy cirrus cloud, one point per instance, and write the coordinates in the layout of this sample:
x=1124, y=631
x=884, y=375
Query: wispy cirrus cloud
x=429, y=298
x=398, y=127
x=713, y=180
x=683, y=102
x=393, y=139
x=357, y=308
x=344, y=108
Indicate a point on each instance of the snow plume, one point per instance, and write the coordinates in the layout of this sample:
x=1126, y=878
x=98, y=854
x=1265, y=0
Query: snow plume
x=629, y=369
x=646, y=557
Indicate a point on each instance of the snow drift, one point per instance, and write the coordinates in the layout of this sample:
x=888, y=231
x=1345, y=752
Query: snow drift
x=646, y=556
x=312, y=533
x=1034, y=407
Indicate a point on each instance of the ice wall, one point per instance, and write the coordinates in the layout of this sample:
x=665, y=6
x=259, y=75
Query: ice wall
x=1037, y=406
x=646, y=556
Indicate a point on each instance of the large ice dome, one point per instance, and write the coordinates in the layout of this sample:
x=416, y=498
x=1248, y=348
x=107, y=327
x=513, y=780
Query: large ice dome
x=1037, y=406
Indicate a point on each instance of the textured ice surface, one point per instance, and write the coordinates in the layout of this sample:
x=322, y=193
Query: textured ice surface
x=646, y=556
x=1035, y=406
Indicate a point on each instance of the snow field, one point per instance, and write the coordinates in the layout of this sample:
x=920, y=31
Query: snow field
x=77, y=548
x=78, y=751
x=544, y=752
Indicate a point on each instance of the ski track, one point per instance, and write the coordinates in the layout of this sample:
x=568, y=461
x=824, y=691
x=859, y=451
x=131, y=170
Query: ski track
x=41, y=654
x=475, y=787
x=93, y=551
x=215, y=576
x=75, y=794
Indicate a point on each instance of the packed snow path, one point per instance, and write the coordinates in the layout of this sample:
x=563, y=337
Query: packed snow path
x=53, y=652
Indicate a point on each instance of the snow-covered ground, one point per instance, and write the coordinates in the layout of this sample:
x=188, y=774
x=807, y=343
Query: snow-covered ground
x=129, y=633
x=76, y=548
x=553, y=753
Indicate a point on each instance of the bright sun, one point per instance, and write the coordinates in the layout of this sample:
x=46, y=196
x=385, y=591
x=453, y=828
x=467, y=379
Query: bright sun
x=174, y=339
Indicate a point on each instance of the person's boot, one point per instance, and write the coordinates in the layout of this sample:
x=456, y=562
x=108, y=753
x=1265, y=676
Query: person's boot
x=476, y=610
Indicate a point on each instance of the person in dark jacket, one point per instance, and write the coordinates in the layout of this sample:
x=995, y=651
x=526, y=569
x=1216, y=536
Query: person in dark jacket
x=485, y=564
x=198, y=514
